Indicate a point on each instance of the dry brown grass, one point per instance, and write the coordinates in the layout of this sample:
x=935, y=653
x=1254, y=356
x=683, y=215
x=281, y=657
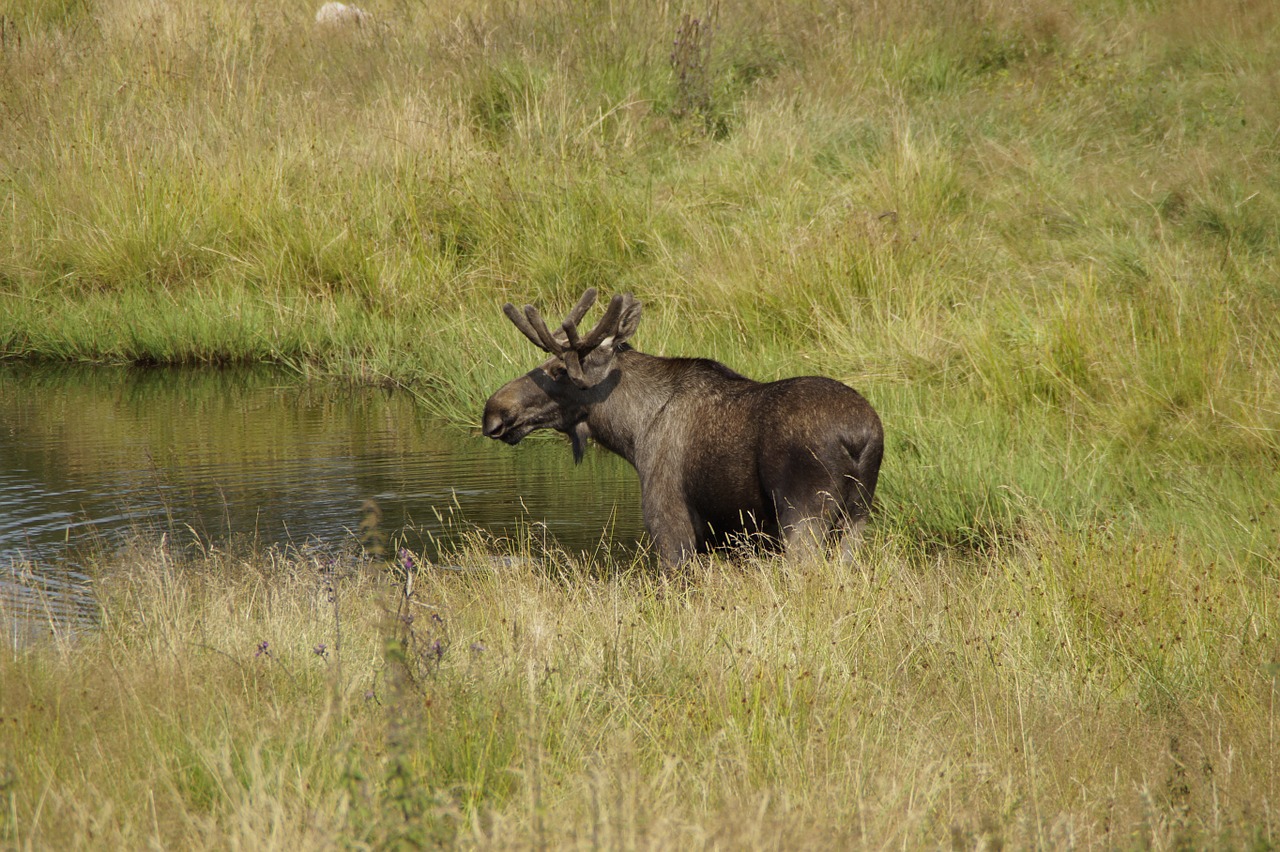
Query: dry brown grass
x=1062, y=690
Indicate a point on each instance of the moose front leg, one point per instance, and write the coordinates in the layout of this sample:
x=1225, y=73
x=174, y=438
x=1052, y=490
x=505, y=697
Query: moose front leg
x=672, y=527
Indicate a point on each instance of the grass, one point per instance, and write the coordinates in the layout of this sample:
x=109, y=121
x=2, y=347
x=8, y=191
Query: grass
x=1063, y=690
x=1042, y=240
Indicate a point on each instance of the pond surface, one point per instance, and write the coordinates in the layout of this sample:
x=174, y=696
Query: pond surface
x=89, y=457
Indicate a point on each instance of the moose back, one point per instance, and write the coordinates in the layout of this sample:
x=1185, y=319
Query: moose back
x=718, y=454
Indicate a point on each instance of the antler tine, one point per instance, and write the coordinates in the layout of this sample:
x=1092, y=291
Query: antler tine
x=532, y=325
x=570, y=324
x=580, y=310
x=518, y=320
x=607, y=326
x=571, y=334
x=549, y=342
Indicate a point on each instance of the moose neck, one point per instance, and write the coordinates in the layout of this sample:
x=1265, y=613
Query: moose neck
x=620, y=420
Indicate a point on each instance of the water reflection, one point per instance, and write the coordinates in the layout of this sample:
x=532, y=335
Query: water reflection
x=88, y=455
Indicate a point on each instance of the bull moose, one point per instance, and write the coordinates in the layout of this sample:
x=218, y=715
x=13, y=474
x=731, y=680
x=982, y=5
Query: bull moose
x=718, y=454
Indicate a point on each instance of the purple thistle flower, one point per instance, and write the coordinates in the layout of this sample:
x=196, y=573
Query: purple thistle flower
x=262, y=649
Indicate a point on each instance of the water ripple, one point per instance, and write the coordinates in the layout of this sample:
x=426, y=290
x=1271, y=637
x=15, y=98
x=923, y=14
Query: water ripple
x=88, y=457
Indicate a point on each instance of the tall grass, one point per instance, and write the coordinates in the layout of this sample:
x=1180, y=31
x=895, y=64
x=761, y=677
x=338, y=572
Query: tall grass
x=1042, y=239
x=1060, y=691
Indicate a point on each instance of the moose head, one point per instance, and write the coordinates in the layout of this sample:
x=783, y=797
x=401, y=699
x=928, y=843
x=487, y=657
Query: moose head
x=559, y=393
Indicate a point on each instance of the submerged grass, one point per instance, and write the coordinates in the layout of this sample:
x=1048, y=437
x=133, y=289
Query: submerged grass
x=1096, y=689
x=1042, y=239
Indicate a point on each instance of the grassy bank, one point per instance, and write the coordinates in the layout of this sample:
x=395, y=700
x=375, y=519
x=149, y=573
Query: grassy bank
x=1088, y=691
x=1042, y=240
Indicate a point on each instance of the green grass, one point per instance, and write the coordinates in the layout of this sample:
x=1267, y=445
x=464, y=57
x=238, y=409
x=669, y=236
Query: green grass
x=1058, y=223
x=1043, y=241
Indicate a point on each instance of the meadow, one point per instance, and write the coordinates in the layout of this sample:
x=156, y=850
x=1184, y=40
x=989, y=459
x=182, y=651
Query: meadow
x=1041, y=238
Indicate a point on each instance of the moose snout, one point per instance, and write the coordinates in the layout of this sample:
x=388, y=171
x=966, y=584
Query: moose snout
x=503, y=422
x=494, y=424
x=509, y=414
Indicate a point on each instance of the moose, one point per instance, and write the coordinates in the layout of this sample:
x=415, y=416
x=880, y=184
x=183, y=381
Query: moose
x=718, y=455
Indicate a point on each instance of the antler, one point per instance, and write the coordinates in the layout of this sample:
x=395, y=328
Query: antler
x=584, y=304
x=532, y=325
x=549, y=341
x=528, y=329
x=568, y=344
x=606, y=327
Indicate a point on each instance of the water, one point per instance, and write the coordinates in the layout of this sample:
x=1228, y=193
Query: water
x=89, y=457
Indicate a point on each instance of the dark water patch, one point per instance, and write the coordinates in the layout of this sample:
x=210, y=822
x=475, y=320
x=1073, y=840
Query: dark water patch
x=92, y=456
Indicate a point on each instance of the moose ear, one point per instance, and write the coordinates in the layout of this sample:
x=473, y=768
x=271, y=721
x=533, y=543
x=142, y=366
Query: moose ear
x=628, y=321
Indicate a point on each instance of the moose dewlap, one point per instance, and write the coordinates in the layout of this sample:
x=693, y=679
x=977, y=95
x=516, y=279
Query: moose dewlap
x=718, y=454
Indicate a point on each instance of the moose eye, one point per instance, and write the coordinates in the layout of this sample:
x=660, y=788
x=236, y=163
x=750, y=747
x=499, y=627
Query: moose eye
x=556, y=373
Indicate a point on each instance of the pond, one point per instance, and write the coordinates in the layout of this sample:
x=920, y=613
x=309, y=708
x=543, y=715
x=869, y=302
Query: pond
x=91, y=456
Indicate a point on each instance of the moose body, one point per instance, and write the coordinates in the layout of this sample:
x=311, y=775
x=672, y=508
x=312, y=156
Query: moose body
x=717, y=454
